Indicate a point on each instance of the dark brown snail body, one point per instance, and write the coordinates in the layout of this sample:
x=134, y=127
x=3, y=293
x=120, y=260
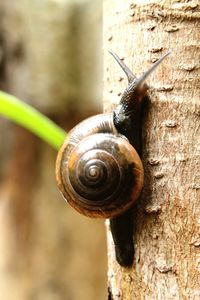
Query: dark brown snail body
x=98, y=169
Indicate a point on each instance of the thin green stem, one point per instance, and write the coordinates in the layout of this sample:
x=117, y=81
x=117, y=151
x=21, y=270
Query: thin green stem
x=25, y=115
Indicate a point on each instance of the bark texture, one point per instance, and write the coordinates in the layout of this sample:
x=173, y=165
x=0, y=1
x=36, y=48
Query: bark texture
x=166, y=230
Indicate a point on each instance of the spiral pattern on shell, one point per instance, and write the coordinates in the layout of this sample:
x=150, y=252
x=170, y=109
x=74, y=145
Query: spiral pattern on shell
x=99, y=173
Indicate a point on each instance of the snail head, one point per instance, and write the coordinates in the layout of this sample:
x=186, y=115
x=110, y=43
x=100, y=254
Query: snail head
x=129, y=107
x=136, y=86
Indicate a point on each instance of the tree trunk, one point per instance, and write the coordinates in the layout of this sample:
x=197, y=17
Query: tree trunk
x=166, y=231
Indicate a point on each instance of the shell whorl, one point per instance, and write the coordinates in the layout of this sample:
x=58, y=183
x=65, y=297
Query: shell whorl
x=98, y=172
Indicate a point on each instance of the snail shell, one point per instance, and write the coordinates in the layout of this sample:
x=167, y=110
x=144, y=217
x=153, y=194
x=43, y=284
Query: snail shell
x=97, y=170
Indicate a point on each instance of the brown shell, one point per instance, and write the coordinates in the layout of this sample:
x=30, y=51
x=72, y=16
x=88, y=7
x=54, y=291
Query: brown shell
x=97, y=170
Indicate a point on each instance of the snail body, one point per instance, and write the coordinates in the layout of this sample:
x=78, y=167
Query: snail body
x=98, y=169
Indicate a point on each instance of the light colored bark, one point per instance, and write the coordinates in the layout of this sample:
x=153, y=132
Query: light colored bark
x=166, y=262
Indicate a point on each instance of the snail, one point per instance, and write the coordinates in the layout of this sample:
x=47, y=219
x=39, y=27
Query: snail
x=98, y=168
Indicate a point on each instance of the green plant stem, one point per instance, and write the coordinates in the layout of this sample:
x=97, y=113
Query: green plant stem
x=28, y=117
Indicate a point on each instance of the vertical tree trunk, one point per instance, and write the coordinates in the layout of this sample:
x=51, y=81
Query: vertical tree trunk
x=166, y=233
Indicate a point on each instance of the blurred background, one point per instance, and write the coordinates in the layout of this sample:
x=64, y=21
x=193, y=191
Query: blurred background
x=50, y=57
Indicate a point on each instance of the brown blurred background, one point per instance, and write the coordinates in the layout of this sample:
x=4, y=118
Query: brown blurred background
x=51, y=57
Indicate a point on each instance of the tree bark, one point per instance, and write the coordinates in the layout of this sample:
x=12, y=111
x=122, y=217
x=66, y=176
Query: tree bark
x=166, y=231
